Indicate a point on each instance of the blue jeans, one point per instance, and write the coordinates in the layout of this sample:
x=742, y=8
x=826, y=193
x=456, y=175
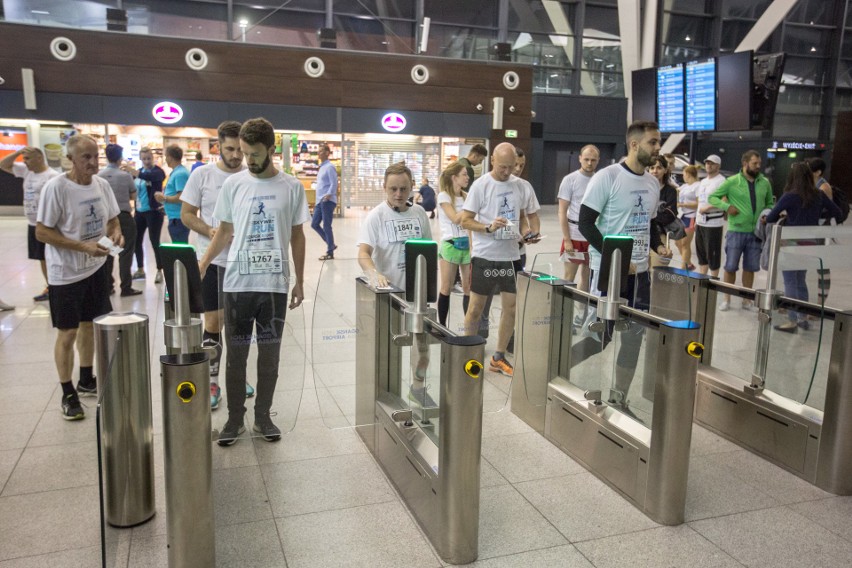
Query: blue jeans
x=178, y=231
x=743, y=245
x=795, y=286
x=323, y=213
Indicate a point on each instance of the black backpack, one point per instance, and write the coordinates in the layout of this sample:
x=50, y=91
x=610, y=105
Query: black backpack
x=841, y=199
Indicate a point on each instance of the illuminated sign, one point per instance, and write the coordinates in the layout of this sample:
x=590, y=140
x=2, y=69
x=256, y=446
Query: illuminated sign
x=167, y=112
x=511, y=134
x=393, y=122
x=782, y=146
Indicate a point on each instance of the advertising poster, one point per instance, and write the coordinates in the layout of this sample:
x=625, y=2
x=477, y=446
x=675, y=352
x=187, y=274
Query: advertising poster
x=11, y=141
x=53, y=144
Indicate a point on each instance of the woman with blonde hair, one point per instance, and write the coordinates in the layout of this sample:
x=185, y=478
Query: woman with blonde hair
x=687, y=201
x=454, y=252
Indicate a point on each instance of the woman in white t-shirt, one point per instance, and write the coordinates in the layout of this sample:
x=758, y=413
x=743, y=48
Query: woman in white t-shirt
x=687, y=203
x=454, y=252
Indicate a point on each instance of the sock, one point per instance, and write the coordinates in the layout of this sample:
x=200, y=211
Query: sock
x=465, y=303
x=86, y=376
x=443, y=308
x=498, y=355
x=214, y=337
x=67, y=388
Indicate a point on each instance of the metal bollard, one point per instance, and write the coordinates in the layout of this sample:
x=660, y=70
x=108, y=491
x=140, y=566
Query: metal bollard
x=127, y=438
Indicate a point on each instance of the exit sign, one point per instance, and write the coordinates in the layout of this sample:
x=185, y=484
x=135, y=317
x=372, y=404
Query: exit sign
x=511, y=134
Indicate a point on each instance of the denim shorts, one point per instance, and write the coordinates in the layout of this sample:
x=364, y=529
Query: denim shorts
x=742, y=244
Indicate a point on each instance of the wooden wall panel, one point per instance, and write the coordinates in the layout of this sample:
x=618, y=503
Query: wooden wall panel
x=118, y=64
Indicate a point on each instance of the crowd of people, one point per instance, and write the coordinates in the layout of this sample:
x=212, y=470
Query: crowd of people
x=243, y=207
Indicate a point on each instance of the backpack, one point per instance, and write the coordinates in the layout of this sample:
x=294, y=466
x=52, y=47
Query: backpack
x=841, y=199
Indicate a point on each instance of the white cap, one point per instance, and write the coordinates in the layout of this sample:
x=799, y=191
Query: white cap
x=713, y=158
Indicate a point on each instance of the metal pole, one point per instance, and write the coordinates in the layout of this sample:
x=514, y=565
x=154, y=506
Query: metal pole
x=460, y=448
x=671, y=426
x=834, y=467
x=765, y=302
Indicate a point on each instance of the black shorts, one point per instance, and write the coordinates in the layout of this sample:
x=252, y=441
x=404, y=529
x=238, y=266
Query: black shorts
x=489, y=277
x=708, y=246
x=80, y=301
x=35, y=248
x=211, y=288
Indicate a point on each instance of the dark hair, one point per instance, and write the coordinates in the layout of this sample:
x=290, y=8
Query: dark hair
x=174, y=152
x=748, y=155
x=519, y=153
x=113, y=153
x=199, y=156
x=479, y=149
x=325, y=147
x=817, y=165
x=801, y=182
x=228, y=129
x=638, y=128
x=659, y=159
x=258, y=131
x=398, y=169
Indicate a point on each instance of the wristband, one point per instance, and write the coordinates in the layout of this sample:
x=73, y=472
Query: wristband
x=487, y=228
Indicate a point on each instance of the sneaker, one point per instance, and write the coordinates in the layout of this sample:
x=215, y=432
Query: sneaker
x=420, y=397
x=139, y=275
x=71, y=408
x=215, y=396
x=249, y=390
x=803, y=324
x=725, y=306
x=230, y=432
x=88, y=389
x=789, y=327
x=159, y=277
x=263, y=425
x=457, y=289
x=749, y=305
x=130, y=292
x=43, y=297
x=502, y=366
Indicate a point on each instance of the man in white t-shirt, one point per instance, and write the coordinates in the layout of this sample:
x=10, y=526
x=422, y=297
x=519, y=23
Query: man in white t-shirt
x=260, y=212
x=199, y=198
x=35, y=174
x=621, y=199
x=571, y=192
x=494, y=211
x=709, y=221
x=75, y=211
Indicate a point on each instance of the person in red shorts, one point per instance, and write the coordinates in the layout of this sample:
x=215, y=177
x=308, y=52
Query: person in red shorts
x=575, y=247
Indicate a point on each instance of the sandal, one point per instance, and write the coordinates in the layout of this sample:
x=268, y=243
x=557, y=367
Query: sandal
x=327, y=257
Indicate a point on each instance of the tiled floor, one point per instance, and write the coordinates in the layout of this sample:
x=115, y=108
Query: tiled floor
x=317, y=498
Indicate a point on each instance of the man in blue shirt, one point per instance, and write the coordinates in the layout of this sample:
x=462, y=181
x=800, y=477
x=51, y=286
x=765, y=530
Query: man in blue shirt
x=326, y=201
x=170, y=198
x=149, y=214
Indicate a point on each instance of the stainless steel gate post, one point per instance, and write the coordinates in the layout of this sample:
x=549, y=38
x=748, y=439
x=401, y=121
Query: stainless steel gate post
x=834, y=468
x=127, y=439
x=671, y=425
x=188, y=454
x=460, y=448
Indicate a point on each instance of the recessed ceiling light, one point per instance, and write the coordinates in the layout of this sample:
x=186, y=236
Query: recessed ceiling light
x=42, y=12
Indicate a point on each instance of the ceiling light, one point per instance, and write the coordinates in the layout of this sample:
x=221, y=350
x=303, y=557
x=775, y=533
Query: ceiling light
x=554, y=74
x=41, y=12
x=243, y=23
x=687, y=38
x=813, y=49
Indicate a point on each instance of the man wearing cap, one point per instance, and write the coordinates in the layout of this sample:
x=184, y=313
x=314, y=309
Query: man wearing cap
x=747, y=193
x=709, y=221
x=124, y=189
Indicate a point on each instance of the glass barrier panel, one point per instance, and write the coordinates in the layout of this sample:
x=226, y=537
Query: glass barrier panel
x=631, y=391
x=734, y=335
x=421, y=381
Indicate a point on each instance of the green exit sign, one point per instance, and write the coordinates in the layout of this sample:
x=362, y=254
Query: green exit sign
x=511, y=134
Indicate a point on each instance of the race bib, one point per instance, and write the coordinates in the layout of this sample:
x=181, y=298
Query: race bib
x=401, y=230
x=506, y=234
x=261, y=261
x=85, y=261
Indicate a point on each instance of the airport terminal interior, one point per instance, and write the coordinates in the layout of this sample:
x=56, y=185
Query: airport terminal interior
x=709, y=428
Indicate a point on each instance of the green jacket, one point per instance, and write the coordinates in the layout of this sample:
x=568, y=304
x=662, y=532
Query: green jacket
x=735, y=188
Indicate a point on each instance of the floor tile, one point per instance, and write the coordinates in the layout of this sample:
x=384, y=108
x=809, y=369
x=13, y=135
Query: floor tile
x=8, y=460
x=373, y=536
x=53, y=429
x=75, y=558
x=16, y=429
x=27, y=398
x=49, y=468
x=508, y=524
x=713, y=490
x=664, y=547
x=776, y=538
x=705, y=442
x=582, y=507
x=239, y=496
x=311, y=439
x=336, y=482
x=565, y=556
x=149, y=552
x=833, y=514
x=522, y=457
x=488, y=476
x=39, y=523
x=503, y=423
x=249, y=545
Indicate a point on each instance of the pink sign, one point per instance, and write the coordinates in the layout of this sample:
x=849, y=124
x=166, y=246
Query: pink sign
x=167, y=112
x=393, y=122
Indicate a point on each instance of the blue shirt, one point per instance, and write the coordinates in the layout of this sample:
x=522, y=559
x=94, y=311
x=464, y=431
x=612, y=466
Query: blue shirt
x=798, y=215
x=428, y=198
x=196, y=165
x=176, y=183
x=142, y=204
x=326, y=182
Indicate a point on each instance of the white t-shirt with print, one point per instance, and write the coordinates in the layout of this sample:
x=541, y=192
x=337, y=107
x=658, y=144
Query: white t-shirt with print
x=386, y=231
x=202, y=191
x=489, y=199
x=532, y=204
x=687, y=192
x=33, y=184
x=78, y=212
x=626, y=202
x=705, y=188
x=263, y=213
x=449, y=230
x=572, y=189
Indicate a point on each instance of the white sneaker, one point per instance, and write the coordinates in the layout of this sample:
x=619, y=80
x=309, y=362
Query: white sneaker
x=159, y=277
x=748, y=305
x=725, y=306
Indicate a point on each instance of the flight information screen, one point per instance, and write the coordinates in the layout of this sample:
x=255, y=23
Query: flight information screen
x=670, y=98
x=701, y=94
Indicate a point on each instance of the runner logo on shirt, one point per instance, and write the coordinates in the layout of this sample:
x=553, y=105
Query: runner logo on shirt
x=93, y=227
x=262, y=228
x=260, y=210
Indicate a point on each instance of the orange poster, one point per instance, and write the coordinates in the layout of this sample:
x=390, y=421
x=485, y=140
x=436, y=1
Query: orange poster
x=11, y=141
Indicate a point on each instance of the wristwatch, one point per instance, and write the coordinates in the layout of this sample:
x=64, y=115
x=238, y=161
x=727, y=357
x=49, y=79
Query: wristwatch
x=488, y=228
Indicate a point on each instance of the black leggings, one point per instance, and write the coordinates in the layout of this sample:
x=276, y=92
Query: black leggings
x=153, y=222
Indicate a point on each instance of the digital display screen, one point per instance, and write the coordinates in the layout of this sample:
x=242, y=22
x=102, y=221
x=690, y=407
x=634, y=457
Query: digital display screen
x=670, y=98
x=701, y=95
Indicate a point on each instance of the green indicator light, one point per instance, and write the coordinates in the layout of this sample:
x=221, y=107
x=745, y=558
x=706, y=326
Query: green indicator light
x=177, y=245
x=618, y=237
x=547, y=278
x=420, y=242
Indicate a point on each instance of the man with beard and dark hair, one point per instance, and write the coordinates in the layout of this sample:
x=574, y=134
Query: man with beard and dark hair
x=748, y=193
x=260, y=212
x=199, y=196
x=621, y=199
